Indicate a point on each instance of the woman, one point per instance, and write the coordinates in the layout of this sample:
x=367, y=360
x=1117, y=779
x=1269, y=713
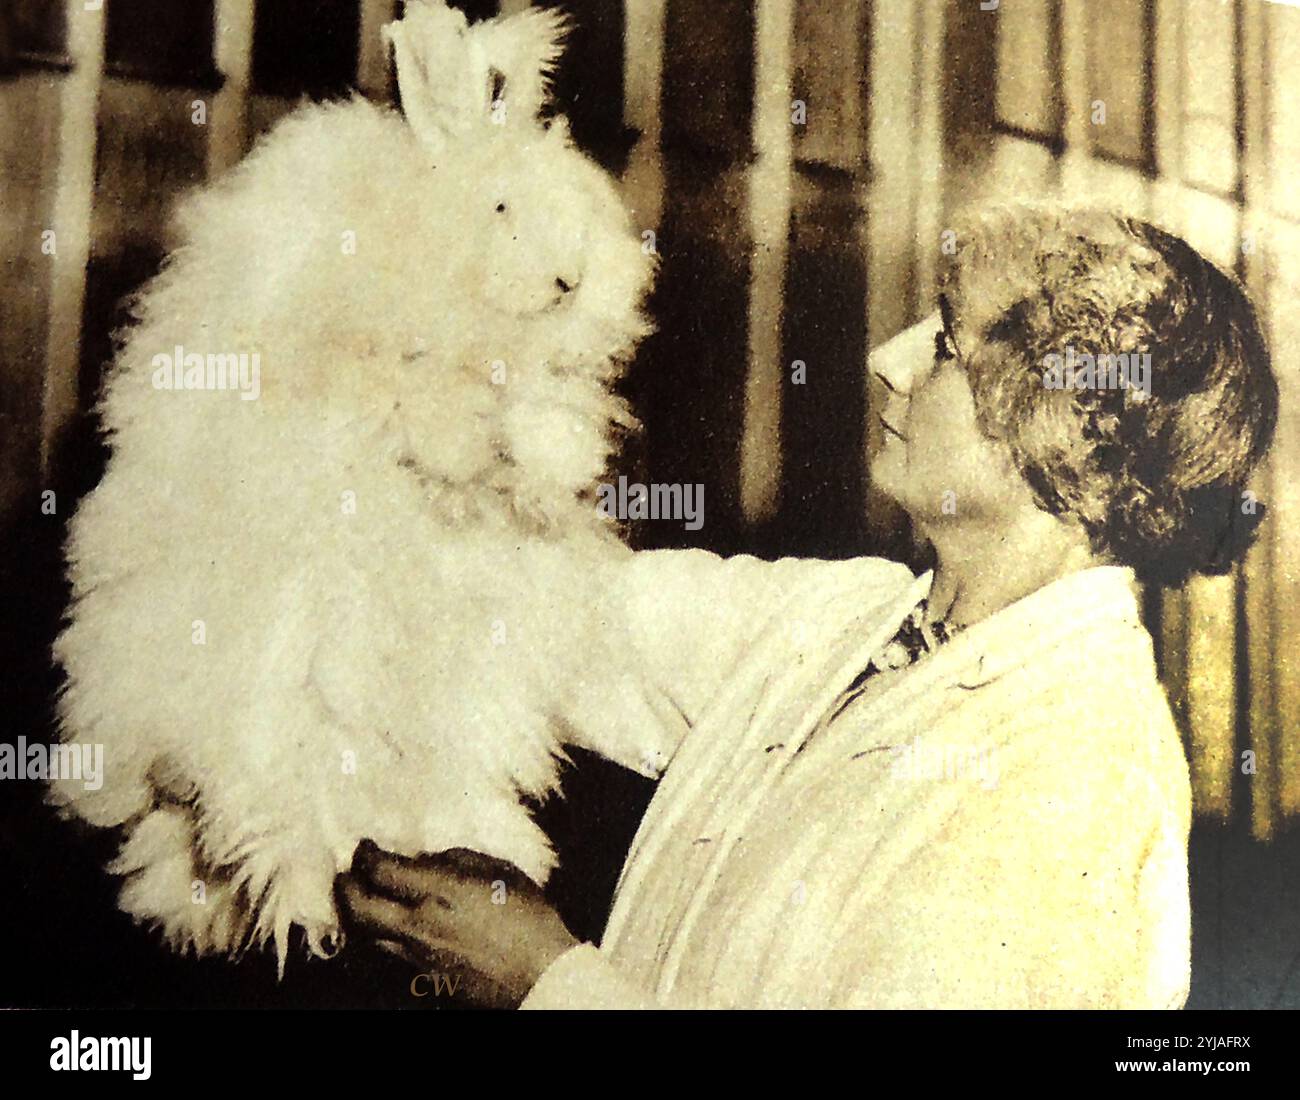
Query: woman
x=958, y=790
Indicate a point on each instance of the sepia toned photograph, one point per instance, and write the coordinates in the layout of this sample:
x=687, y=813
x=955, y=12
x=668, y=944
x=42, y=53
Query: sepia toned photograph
x=650, y=504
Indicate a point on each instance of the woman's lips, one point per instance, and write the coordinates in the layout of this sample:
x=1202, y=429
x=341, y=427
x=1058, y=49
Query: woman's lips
x=891, y=429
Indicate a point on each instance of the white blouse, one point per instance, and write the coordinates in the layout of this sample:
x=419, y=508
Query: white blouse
x=1002, y=824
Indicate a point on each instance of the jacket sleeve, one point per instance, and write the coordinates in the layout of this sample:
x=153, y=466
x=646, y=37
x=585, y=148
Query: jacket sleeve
x=676, y=622
x=584, y=978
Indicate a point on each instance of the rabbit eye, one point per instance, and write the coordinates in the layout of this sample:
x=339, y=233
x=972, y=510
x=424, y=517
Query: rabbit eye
x=501, y=208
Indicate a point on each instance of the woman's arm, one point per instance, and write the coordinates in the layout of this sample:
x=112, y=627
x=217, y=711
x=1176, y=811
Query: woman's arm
x=583, y=977
x=676, y=622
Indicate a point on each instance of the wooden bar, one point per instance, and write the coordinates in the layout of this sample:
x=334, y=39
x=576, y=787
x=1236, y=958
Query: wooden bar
x=892, y=265
x=1212, y=691
x=72, y=210
x=233, y=57
x=894, y=294
x=1211, y=224
x=1274, y=33
x=1167, y=89
x=930, y=148
x=769, y=212
x=1280, y=31
x=1170, y=60
x=643, y=63
x=1076, y=30
x=1283, y=29
x=1283, y=526
x=1283, y=47
x=1260, y=594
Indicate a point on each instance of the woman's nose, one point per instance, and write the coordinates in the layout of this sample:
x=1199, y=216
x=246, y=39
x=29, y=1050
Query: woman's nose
x=905, y=360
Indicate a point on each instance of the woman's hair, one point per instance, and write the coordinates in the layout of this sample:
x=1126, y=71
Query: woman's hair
x=1155, y=471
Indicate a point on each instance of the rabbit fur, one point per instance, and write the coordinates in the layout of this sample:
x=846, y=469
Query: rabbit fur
x=362, y=597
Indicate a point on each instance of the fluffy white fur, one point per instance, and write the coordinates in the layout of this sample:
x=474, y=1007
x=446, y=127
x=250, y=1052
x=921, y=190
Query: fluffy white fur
x=392, y=672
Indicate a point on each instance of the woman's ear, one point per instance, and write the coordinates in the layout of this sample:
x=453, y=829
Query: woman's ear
x=521, y=52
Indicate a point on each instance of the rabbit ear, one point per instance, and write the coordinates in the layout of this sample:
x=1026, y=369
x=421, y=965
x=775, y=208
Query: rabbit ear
x=522, y=50
x=440, y=75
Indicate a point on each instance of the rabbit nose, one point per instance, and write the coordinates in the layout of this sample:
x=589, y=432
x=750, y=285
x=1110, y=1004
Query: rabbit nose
x=567, y=286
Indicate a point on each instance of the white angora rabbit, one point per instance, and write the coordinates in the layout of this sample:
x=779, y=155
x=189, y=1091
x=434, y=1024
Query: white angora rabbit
x=341, y=587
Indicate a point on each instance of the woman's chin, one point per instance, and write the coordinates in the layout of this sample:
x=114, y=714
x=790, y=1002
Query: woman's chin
x=888, y=475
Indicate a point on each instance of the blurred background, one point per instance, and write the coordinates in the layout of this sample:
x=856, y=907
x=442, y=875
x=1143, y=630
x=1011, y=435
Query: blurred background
x=798, y=162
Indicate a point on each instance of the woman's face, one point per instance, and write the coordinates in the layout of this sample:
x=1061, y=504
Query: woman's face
x=934, y=460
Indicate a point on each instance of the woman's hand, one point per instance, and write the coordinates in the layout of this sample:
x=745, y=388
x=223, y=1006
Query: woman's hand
x=459, y=912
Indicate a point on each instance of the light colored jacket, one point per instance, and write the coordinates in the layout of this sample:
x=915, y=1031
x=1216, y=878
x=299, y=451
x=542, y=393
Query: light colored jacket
x=1003, y=824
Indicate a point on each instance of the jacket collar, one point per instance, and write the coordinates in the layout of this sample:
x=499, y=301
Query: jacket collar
x=1071, y=605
